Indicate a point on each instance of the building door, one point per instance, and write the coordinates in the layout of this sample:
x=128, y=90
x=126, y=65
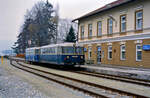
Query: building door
x=89, y=53
x=99, y=55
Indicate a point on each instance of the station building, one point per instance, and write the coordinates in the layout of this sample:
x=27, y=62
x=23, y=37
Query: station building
x=117, y=34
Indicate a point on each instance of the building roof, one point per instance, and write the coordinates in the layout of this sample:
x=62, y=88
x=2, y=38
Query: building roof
x=104, y=8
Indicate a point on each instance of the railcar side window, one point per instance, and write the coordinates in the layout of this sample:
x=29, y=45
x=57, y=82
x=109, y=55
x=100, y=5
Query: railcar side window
x=36, y=51
x=32, y=52
x=50, y=50
x=43, y=51
x=59, y=49
x=53, y=50
x=26, y=52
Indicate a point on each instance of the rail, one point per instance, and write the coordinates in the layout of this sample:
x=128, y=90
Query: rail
x=79, y=81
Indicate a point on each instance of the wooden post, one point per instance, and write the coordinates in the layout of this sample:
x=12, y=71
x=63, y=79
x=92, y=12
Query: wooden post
x=1, y=59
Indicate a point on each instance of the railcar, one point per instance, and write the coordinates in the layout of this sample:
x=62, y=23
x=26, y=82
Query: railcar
x=32, y=54
x=62, y=54
x=59, y=54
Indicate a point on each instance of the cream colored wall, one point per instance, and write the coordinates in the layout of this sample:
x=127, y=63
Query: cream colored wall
x=147, y=14
x=129, y=10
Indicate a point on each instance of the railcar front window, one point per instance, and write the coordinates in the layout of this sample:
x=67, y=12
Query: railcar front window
x=79, y=50
x=68, y=50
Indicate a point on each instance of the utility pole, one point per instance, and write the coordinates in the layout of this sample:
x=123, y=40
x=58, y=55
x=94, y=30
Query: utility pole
x=77, y=30
x=57, y=20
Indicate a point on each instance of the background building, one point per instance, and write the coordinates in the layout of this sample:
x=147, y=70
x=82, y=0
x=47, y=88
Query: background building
x=7, y=53
x=117, y=34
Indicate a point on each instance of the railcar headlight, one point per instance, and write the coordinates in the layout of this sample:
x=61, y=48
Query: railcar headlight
x=67, y=57
x=81, y=57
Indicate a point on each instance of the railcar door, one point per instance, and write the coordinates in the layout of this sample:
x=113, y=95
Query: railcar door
x=59, y=53
x=37, y=51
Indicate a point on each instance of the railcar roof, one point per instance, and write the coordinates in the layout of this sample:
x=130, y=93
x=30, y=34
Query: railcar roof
x=33, y=48
x=56, y=45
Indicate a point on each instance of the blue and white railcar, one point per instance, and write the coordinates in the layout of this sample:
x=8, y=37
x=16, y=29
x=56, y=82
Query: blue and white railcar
x=32, y=54
x=62, y=54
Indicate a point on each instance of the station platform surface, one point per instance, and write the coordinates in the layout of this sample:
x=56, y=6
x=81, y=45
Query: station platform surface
x=123, y=71
x=129, y=72
x=17, y=58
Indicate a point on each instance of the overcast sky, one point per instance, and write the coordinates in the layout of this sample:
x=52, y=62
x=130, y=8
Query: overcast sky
x=12, y=15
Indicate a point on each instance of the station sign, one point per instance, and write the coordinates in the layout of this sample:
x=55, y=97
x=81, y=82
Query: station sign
x=146, y=47
x=85, y=49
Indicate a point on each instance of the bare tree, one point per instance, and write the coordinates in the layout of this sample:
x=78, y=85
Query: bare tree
x=39, y=28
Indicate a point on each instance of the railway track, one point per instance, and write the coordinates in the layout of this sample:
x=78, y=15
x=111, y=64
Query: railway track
x=113, y=77
x=117, y=78
x=91, y=89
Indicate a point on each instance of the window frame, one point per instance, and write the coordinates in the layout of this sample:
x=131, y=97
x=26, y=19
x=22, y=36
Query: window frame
x=89, y=52
x=109, y=52
x=137, y=50
x=90, y=30
x=121, y=22
x=82, y=32
x=137, y=19
x=108, y=26
x=121, y=52
x=99, y=29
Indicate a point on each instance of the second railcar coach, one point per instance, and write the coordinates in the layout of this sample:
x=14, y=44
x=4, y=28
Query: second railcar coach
x=32, y=54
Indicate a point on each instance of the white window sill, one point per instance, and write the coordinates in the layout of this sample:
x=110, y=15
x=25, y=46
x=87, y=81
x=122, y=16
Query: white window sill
x=138, y=60
x=123, y=32
x=139, y=29
x=122, y=59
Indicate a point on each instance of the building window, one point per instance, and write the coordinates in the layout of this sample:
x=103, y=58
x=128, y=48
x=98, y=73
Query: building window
x=138, y=52
x=123, y=23
x=99, y=28
x=89, y=52
x=123, y=52
x=109, y=52
x=90, y=30
x=82, y=32
x=110, y=26
x=139, y=20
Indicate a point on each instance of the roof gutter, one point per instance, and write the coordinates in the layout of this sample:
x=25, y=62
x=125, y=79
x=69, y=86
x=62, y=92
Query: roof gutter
x=102, y=10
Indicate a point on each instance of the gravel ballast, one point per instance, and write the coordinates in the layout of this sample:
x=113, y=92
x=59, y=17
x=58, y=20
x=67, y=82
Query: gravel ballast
x=13, y=87
x=15, y=83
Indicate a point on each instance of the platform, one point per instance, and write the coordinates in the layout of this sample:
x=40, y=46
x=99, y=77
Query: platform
x=130, y=72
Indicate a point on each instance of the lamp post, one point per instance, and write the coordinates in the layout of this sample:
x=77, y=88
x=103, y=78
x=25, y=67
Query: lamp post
x=77, y=30
x=29, y=43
